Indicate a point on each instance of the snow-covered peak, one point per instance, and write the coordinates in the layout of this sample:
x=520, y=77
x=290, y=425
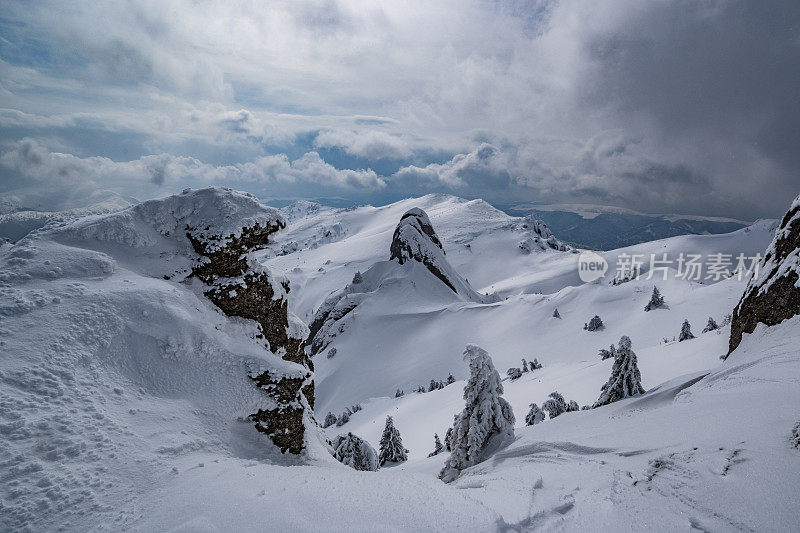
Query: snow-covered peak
x=214, y=215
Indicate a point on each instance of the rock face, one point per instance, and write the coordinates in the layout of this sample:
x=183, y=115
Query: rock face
x=414, y=243
x=414, y=239
x=540, y=238
x=773, y=294
x=240, y=287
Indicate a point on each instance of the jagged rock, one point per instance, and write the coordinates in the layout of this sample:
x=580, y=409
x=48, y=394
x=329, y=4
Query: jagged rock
x=240, y=287
x=540, y=237
x=773, y=294
x=414, y=239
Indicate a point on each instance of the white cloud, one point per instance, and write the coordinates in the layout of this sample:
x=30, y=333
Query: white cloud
x=371, y=144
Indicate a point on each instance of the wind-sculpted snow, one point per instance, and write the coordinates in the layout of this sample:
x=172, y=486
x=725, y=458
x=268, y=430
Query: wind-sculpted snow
x=773, y=294
x=112, y=364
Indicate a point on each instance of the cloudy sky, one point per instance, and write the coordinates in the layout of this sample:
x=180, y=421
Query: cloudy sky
x=661, y=106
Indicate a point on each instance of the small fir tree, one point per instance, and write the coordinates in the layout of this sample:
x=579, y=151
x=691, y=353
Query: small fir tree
x=573, y=406
x=357, y=278
x=608, y=354
x=711, y=325
x=398, y=393
x=344, y=419
x=514, y=373
x=594, y=324
x=391, y=445
x=330, y=419
x=450, y=379
x=437, y=446
x=555, y=405
x=524, y=365
x=355, y=452
x=487, y=419
x=556, y=314
x=535, y=365
x=686, y=331
x=625, y=380
x=656, y=300
x=535, y=415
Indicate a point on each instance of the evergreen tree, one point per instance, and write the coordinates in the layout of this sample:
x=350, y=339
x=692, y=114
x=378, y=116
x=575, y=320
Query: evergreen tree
x=357, y=278
x=355, y=452
x=450, y=379
x=356, y=408
x=398, y=393
x=330, y=419
x=487, y=419
x=594, y=324
x=433, y=385
x=625, y=380
x=524, y=365
x=686, y=332
x=344, y=419
x=391, y=446
x=331, y=352
x=573, y=406
x=535, y=364
x=437, y=446
x=608, y=354
x=448, y=439
x=555, y=405
x=711, y=325
x=535, y=415
x=556, y=314
x=420, y=389
x=514, y=373
x=656, y=300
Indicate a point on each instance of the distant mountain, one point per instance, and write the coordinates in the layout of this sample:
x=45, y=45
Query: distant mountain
x=607, y=228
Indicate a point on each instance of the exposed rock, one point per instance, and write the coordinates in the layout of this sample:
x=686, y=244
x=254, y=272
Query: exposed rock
x=540, y=237
x=773, y=294
x=414, y=239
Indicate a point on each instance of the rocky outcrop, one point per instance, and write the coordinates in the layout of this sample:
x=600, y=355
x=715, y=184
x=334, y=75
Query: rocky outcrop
x=540, y=238
x=414, y=244
x=773, y=294
x=240, y=287
x=414, y=239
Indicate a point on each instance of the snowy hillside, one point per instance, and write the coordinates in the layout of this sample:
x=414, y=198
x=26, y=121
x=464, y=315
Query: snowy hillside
x=153, y=377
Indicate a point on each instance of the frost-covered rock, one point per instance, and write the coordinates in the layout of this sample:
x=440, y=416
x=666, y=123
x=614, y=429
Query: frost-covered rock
x=487, y=420
x=540, y=237
x=773, y=293
x=355, y=452
x=209, y=235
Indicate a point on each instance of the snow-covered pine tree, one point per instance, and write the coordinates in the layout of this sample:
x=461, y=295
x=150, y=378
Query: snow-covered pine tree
x=450, y=379
x=355, y=452
x=356, y=408
x=330, y=419
x=357, y=278
x=711, y=325
x=331, y=352
x=524, y=365
x=433, y=385
x=656, y=300
x=555, y=405
x=391, y=445
x=398, y=393
x=487, y=419
x=594, y=324
x=534, y=416
x=420, y=389
x=608, y=354
x=437, y=446
x=625, y=380
x=556, y=314
x=514, y=373
x=686, y=331
x=344, y=419
x=448, y=439
x=573, y=406
x=535, y=365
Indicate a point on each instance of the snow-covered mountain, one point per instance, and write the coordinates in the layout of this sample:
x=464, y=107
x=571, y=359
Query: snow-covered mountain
x=152, y=375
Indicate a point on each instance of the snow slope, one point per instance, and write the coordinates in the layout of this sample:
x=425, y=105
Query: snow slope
x=123, y=394
x=403, y=336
